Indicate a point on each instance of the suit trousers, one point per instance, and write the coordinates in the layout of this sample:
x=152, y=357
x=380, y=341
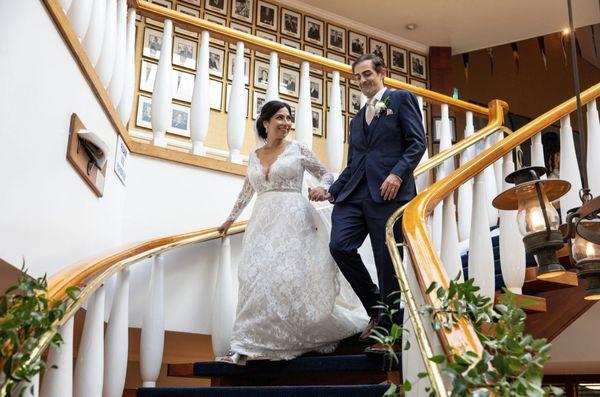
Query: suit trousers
x=352, y=220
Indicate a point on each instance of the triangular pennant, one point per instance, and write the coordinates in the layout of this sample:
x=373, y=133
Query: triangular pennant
x=465, y=58
x=515, y=51
x=542, y=47
x=490, y=52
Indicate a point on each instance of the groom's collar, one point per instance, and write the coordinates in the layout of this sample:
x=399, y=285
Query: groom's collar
x=379, y=94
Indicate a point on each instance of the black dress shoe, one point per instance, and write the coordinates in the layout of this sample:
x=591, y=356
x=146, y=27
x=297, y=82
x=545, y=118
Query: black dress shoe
x=369, y=330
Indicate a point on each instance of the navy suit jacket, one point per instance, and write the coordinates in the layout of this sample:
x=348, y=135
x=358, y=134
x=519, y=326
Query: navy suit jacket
x=394, y=144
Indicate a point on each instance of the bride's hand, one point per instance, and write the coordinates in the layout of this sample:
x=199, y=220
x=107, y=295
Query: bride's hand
x=224, y=228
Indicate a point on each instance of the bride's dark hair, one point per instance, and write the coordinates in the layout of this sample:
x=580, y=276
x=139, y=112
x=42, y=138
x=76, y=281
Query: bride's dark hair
x=268, y=110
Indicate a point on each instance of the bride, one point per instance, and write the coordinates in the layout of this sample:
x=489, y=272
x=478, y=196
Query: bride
x=292, y=298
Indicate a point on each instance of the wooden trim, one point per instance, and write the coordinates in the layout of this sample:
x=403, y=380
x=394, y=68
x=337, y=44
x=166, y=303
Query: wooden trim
x=565, y=280
x=529, y=303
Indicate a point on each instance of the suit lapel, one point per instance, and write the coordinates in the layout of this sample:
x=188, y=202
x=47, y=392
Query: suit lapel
x=360, y=120
x=376, y=118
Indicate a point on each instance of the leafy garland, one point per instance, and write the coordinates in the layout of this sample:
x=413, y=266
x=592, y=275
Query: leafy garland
x=512, y=362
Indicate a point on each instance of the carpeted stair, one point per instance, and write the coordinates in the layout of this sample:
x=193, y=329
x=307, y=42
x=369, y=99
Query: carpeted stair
x=267, y=391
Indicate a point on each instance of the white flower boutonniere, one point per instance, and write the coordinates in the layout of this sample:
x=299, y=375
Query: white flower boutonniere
x=381, y=107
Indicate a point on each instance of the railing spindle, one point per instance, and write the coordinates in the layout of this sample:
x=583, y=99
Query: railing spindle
x=115, y=89
x=153, y=325
x=200, y=112
x=537, y=152
x=236, y=118
x=490, y=187
x=126, y=102
x=273, y=82
x=95, y=33
x=223, y=312
x=422, y=180
x=79, y=15
x=465, y=191
x=58, y=381
x=162, y=94
x=304, y=111
x=335, y=128
x=593, y=143
x=569, y=170
x=106, y=62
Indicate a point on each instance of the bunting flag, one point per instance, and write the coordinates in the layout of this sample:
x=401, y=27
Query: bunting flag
x=542, y=47
x=490, y=52
x=515, y=51
x=465, y=58
x=594, y=42
x=563, y=45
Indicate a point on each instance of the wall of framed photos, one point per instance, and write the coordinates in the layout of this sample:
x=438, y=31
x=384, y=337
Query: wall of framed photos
x=269, y=20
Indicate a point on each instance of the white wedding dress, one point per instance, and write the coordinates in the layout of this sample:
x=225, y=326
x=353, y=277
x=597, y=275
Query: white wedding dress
x=292, y=298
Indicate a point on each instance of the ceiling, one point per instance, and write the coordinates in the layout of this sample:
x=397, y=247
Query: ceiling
x=464, y=25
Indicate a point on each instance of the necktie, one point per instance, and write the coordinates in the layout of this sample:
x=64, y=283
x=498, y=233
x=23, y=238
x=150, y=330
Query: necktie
x=370, y=110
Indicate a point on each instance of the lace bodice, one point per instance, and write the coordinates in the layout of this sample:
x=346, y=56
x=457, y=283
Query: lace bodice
x=285, y=174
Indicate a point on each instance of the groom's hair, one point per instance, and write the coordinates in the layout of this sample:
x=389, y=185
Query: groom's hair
x=377, y=62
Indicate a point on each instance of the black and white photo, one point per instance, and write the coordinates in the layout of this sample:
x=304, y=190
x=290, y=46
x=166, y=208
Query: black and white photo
x=317, y=122
x=313, y=30
x=242, y=10
x=417, y=83
x=342, y=95
x=162, y=3
x=418, y=66
x=194, y=2
x=290, y=23
x=267, y=15
x=261, y=74
x=147, y=76
x=182, y=85
x=316, y=51
x=219, y=6
x=218, y=20
x=257, y=103
x=241, y=28
x=379, y=48
x=216, y=60
x=354, y=103
x=231, y=65
x=267, y=36
x=288, y=82
x=188, y=11
x=184, y=52
x=397, y=76
x=144, y=112
x=215, y=94
x=398, y=59
x=246, y=95
x=180, y=120
x=291, y=44
x=339, y=58
x=336, y=38
x=152, y=43
x=316, y=90
x=357, y=44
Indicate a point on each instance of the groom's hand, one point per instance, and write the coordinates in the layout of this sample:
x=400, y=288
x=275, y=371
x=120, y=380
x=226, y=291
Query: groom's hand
x=318, y=194
x=389, y=188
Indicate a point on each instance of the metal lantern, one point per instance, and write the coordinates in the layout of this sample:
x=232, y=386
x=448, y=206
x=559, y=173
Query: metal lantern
x=537, y=218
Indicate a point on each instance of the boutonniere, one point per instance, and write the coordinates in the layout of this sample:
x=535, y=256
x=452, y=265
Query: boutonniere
x=381, y=106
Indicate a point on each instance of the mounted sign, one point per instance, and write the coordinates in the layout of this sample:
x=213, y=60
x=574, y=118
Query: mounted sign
x=122, y=154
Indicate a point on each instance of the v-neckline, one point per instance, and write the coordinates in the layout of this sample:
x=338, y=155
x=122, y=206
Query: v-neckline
x=268, y=171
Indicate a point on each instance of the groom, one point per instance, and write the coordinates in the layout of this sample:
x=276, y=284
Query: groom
x=387, y=141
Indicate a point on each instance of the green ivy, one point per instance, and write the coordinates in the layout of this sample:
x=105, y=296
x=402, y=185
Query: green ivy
x=26, y=315
x=512, y=362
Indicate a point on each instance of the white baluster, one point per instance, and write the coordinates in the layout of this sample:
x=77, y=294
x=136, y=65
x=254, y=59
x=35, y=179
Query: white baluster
x=223, y=312
x=304, y=130
x=447, y=166
x=593, y=143
x=162, y=95
x=89, y=368
x=512, y=250
x=569, y=170
x=95, y=33
x=116, y=340
x=498, y=136
x=422, y=181
x=65, y=4
x=481, y=254
x=59, y=381
x=27, y=389
x=537, y=152
x=153, y=325
x=490, y=187
x=200, y=112
x=335, y=128
x=115, y=89
x=449, y=251
x=465, y=191
x=236, y=118
x=126, y=102
x=79, y=15
x=106, y=62
x=273, y=83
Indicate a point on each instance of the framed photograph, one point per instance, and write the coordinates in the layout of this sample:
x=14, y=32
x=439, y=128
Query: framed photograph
x=313, y=30
x=267, y=15
x=316, y=90
x=316, y=51
x=339, y=58
x=162, y=3
x=188, y=11
x=397, y=76
x=398, y=59
x=437, y=128
x=180, y=120
x=147, y=75
x=218, y=20
x=216, y=60
x=231, y=65
x=418, y=66
x=266, y=36
x=336, y=38
x=229, y=94
x=317, y=121
x=215, y=94
x=152, y=43
x=261, y=74
x=184, y=52
x=293, y=107
x=417, y=83
x=243, y=10
x=219, y=6
x=357, y=44
x=342, y=92
x=289, y=82
x=379, y=48
x=144, y=112
x=194, y=2
x=354, y=104
x=258, y=101
x=183, y=85
x=241, y=28
x=292, y=44
x=290, y=23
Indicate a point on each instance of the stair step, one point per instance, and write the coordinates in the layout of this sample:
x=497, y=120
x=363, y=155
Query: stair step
x=529, y=303
x=267, y=391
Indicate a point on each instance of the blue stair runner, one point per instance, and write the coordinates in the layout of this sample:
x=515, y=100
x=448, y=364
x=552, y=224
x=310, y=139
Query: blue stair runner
x=267, y=391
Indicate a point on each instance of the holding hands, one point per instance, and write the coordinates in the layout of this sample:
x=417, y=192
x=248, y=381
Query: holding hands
x=318, y=194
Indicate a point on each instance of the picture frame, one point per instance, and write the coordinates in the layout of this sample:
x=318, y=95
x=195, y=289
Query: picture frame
x=215, y=94
x=183, y=85
x=316, y=51
x=231, y=64
x=219, y=6
x=317, y=121
x=357, y=44
x=193, y=2
x=152, y=43
x=339, y=58
x=243, y=10
x=294, y=108
x=417, y=83
x=144, y=112
x=436, y=123
x=398, y=58
x=218, y=20
x=379, y=48
x=291, y=23
x=354, y=100
x=180, y=120
x=267, y=36
x=163, y=3
x=261, y=74
x=289, y=82
x=336, y=38
x=418, y=65
x=316, y=90
x=292, y=44
x=184, y=52
x=216, y=61
x=399, y=77
x=241, y=28
x=246, y=92
x=313, y=30
x=258, y=100
x=342, y=92
x=267, y=15
x=188, y=11
x=147, y=75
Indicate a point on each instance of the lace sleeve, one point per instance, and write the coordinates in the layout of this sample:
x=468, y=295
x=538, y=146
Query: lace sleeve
x=242, y=200
x=313, y=165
